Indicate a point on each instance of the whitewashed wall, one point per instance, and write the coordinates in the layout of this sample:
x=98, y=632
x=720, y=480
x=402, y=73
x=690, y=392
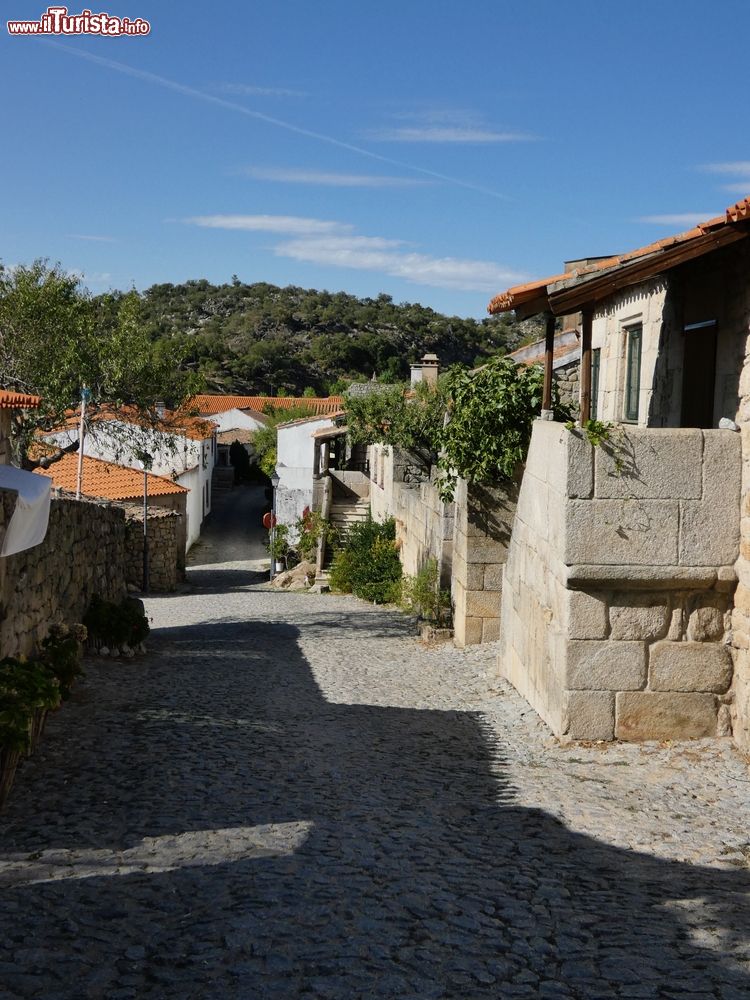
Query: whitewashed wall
x=294, y=464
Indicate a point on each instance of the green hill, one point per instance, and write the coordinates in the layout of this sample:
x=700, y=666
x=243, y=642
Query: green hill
x=263, y=339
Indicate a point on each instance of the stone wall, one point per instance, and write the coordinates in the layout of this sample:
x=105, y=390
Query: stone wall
x=735, y=387
x=83, y=554
x=646, y=305
x=468, y=538
x=568, y=378
x=619, y=582
x=483, y=524
x=424, y=524
x=165, y=551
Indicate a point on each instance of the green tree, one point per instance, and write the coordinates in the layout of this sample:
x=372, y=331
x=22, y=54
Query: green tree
x=395, y=415
x=54, y=339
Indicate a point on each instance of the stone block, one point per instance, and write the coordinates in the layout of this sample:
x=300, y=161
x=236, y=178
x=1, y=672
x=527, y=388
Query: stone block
x=622, y=532
x=605, y=666
x=657, y=715
x=587, y=615
x=676, y=624
x=589, y=715
x=482, y=604
x=490, y=629
x=706, y=624
x=577, y=478
x=722, y=468
x=643, y=577
x=656, y=464
x=470, y=575
x=690, y=666
x=484, y=550
x=709, y=533
x=493, y=577
x=637, y=615
x=467, y=631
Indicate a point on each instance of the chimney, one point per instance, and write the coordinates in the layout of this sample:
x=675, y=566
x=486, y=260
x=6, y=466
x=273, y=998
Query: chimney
x=161, y=408
x=430, y=369
x=416, y=372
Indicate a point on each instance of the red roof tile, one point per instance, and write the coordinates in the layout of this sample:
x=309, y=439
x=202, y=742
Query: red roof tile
x=207, y=405
x=17, y=400
x=177, y=422
x=107, y=480
x=518, y=295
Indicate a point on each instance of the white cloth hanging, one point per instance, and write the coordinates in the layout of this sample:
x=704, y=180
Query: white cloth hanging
x=28, y=523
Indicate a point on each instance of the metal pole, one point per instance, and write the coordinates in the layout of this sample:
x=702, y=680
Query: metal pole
x=81, y=435
x=145, y=531
x=273, y=532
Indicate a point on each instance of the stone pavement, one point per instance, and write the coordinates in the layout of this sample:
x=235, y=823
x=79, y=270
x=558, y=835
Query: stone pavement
x=290, y=797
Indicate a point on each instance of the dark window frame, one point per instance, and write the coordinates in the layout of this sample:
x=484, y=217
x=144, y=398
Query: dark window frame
x=633, y=356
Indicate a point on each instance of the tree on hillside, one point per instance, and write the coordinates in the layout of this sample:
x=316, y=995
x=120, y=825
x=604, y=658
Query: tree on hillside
x=258, y=338
x=55, y=339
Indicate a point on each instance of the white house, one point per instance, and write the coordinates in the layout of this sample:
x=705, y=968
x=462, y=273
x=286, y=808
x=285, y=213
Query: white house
x=295, y=466
x=181, y=448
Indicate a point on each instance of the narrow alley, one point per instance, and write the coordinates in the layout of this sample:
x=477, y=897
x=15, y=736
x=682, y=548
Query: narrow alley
x=291, y=797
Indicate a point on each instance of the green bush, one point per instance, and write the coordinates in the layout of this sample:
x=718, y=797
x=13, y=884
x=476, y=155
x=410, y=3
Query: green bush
x=368, y=565
x=310, y=528
x=61, y=653
x=26, y=686
x=116, y=624
x=421, y=595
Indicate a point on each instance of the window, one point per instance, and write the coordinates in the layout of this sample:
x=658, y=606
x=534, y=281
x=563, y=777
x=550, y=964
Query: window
x=595, y=361
x=633, y=372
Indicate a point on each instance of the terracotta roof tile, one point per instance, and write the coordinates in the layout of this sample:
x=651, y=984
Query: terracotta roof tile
x=206, y=405
x=18, y=400
x=107, y=480
x=520, y=294
x=177, y=422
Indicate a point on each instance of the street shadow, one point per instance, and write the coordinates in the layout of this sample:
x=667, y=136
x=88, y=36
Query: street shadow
x=223, y=829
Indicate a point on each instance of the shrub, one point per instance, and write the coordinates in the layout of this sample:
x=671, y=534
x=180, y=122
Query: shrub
x=26, y=686
x=368, y=564
x=116, y=624
x=61, y=654
x=310, y=528
x=421, y=595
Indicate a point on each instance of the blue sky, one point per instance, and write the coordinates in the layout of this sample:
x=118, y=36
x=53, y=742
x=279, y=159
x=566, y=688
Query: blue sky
x=437, y=152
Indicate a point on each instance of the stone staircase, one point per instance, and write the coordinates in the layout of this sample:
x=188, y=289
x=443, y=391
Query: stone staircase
x=345, y=513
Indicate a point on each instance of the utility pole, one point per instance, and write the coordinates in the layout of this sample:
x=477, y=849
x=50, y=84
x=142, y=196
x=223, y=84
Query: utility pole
x=85, y=397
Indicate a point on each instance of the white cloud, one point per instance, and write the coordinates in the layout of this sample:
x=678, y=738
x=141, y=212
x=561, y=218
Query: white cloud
x=729, y=167
x=334, y=244
x=290, y=225
x=741, y=187
x=93, y=239
x=294, y=175
x=443, y=134
x=679, y=219
x=248, y=90
x=364, y=253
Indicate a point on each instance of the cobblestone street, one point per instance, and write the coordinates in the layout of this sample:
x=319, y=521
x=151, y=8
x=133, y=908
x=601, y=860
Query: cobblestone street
x=290, y=797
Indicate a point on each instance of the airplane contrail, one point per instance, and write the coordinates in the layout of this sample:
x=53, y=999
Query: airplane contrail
x=200, y=95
